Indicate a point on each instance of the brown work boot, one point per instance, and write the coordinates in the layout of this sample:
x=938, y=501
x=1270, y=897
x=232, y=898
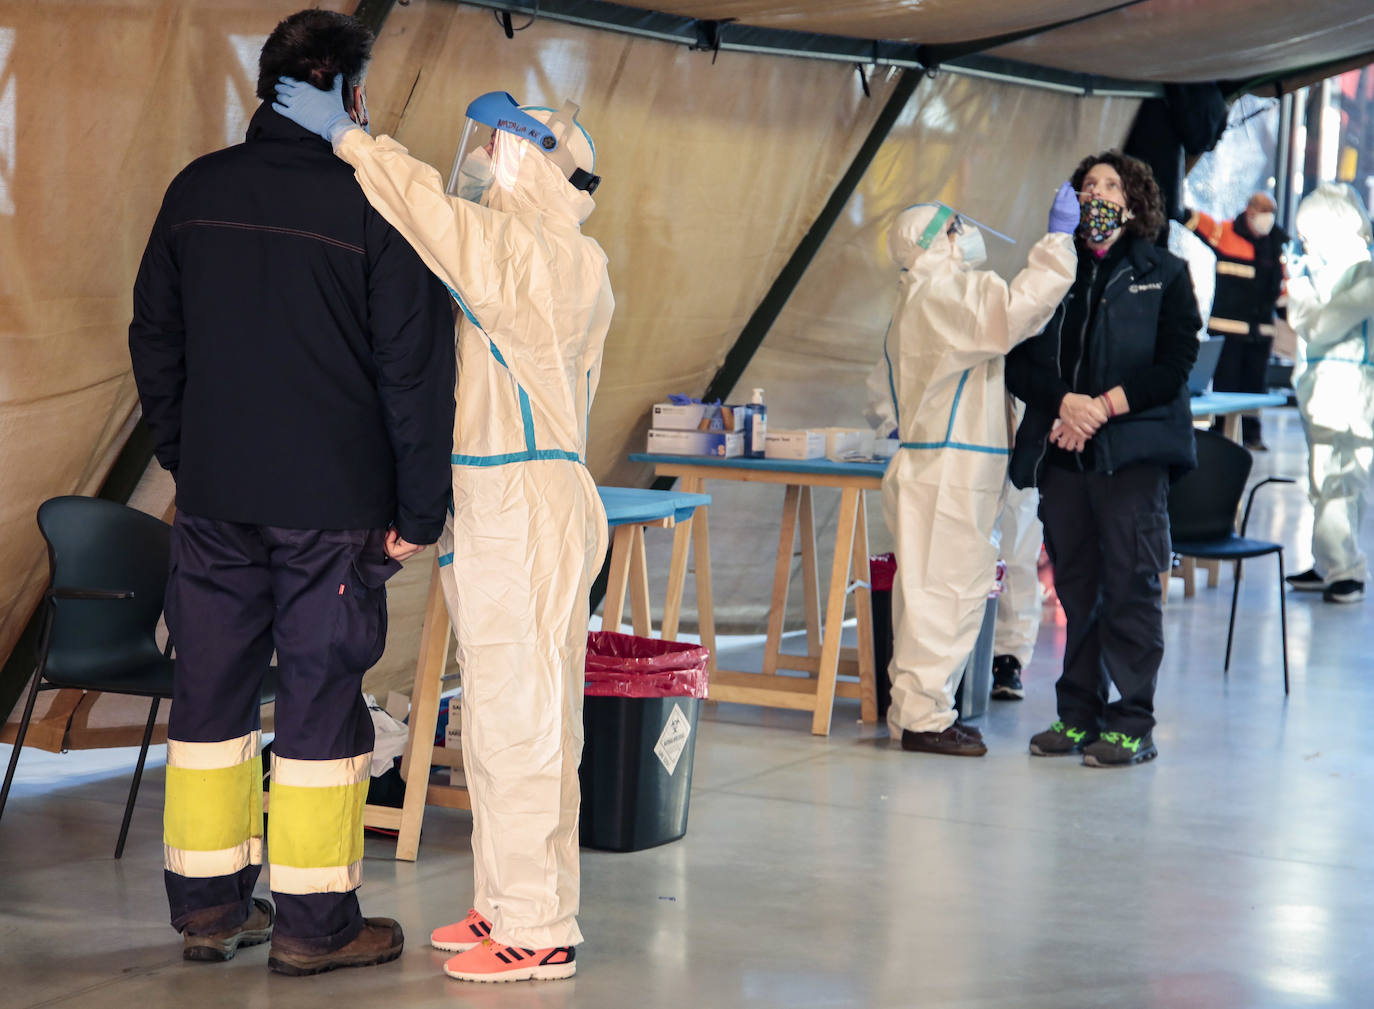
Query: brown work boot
x=380, y=941
x=216, y=947
x=959, y=740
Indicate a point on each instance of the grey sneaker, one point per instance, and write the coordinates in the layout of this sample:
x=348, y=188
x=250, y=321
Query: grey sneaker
x=1307, y=581
x=1346, y=590
x=1006, y=679
x=1060, y=740
x=1116, y=749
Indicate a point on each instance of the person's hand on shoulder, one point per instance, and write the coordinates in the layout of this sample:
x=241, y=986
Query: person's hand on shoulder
x=318, y=111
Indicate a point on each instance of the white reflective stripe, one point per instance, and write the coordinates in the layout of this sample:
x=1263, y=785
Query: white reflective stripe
x=321, y=773
x=337, y=879
x=1266, y=329
x=214, y=756
x=1228, y=269
x=205, y=864
x=1228, y=326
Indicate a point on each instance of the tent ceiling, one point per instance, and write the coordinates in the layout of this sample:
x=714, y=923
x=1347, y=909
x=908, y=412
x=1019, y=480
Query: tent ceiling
x=1157, y=40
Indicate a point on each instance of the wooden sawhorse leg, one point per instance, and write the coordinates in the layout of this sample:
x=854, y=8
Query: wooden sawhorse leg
x=424, y=716
x=850, y=501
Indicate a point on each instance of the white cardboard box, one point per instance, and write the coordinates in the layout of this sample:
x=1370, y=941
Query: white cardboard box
x=698, y=417
x=723, y=444
x=794, y=445
x=843, y=444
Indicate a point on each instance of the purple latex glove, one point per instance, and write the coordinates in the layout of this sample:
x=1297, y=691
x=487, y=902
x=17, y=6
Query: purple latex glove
x=1065, y=213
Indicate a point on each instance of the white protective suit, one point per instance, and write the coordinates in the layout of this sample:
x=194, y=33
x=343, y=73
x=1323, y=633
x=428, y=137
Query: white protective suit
x=528, y=533
x=1331, y=306
x=944, y=489
x=1019, y=537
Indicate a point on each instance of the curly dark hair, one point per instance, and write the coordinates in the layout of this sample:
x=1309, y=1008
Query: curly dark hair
x=314, y=45
x=1142, y=192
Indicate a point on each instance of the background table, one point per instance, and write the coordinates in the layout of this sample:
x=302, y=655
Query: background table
x=629, y=511
x=849, y=570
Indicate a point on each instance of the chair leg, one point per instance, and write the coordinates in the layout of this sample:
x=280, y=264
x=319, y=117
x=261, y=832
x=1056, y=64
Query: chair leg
x=1283, y=624
x=1231, y=627
x=19, y=739
x=138, y=778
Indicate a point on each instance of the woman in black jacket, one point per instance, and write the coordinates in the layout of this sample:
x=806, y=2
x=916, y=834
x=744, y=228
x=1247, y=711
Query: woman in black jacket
x=1107, y=424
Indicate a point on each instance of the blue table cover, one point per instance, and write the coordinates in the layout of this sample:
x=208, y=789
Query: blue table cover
x=628, y=505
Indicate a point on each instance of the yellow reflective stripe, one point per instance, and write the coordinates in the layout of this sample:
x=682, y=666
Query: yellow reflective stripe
x=204, y=864
x=320, y=773
x=316, y=828
x=1229, y=269
x=208, y=756
x=1228, y=326
x=213, y=809
x=291, y=879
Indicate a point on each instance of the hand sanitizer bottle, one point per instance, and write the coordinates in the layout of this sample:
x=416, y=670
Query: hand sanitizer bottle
x=756, y=431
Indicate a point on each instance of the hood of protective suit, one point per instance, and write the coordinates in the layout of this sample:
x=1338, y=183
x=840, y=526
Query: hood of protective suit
x=904, y=240
x=524, y=179
x=1335, y=230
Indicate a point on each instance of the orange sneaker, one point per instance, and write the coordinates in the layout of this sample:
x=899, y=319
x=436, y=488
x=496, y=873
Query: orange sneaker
x=463, y=935
x=490, y=961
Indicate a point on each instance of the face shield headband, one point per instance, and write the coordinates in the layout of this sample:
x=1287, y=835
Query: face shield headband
x=499, y=111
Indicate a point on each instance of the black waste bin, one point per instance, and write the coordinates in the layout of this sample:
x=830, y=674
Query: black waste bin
x=881, y=569
x=639, y=717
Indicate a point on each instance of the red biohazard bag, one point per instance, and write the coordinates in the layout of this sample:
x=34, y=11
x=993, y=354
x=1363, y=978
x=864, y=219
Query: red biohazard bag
x=622, y=665
x=882, y=568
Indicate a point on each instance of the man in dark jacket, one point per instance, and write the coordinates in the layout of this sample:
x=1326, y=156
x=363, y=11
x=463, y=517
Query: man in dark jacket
x=1107, y=423
x=1249, y=253
x=295, y=362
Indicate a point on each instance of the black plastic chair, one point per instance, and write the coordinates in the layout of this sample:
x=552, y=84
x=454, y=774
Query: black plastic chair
x=1202, y=520
x=108, y=573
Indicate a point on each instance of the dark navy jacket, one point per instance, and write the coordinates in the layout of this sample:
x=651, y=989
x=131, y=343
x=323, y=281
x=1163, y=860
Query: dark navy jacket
x=1123, y=343
x=293, y=355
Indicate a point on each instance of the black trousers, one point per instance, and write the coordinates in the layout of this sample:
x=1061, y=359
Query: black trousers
x=1243, y=367
x=1108, y=537
x=237, y=593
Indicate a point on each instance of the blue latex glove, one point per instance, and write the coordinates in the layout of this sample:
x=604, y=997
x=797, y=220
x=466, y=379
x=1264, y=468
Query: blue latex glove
x=1065, y=213
x=318, y=111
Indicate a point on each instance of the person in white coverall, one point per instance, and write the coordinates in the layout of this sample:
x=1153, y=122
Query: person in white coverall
x=1019, y=536
x=528, y=533
x=944, y=489
x=1331, y=306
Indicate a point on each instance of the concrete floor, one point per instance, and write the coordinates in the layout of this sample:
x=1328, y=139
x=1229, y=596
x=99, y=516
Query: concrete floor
x=1235, y=871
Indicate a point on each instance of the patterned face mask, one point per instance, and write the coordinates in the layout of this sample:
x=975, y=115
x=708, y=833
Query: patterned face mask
x=1100, y=219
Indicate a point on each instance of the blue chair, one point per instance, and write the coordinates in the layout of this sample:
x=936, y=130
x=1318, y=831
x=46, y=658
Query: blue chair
x=1202, y=521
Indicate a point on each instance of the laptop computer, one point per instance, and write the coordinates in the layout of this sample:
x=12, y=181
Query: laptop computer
x=1208, y=354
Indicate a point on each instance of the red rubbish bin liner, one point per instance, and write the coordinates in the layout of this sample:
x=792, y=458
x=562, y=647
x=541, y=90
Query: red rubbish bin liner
x=882, y=568
x=639, y=723
x=622, y=665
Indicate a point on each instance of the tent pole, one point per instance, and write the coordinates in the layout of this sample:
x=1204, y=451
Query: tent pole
x=754, y=331
x=751, y=337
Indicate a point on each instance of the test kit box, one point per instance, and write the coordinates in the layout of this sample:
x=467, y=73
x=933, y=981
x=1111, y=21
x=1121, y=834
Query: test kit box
x=723, y=444
x=698, y=417
x=794, y=445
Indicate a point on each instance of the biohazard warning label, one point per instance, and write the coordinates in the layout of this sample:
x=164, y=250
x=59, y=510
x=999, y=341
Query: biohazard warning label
x=673, y=739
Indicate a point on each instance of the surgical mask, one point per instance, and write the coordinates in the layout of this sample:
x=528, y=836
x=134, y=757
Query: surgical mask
x=1262, y=224
x=475, y=176
x=971, y=244
x=1100, y=219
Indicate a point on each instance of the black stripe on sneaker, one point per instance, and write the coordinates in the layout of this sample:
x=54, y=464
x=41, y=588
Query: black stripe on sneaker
x=502, y=957
x=563, y=954
x=482, y=928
